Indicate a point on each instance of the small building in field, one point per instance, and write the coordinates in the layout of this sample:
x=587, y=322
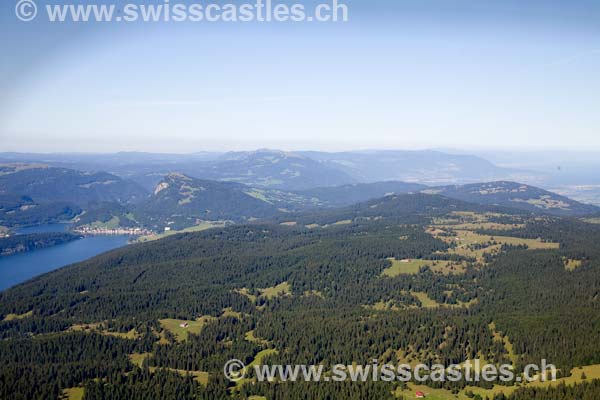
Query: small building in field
x=419, y=395
x=183, y=325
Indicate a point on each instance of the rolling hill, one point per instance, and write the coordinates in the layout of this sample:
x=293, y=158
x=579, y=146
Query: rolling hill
x=46, y=184
x=518, y=196
x=180, y=201
x=18, y=210
x=337, y=196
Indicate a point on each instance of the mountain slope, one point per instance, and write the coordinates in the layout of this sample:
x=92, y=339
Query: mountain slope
x=180, y=201
x=48, y=184
x=18, y=210
x=516, y=195
x=407, y=208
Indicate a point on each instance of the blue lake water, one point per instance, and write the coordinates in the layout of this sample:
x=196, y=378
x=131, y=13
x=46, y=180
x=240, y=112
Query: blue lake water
x=21, y=267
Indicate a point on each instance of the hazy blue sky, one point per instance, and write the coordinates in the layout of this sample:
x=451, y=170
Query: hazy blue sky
x=401, y=74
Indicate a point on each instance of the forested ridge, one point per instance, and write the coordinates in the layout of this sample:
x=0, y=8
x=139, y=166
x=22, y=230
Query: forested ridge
x=319, y=291
x=20, y=243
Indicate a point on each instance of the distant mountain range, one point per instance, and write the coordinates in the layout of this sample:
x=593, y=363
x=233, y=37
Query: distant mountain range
x=570, y=174
x=247, y=186
x=425, y=167
x=274, y=169
x=264, y=168
x=289, y=170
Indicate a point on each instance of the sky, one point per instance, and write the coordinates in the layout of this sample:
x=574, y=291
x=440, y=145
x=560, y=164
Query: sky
x=413, y=74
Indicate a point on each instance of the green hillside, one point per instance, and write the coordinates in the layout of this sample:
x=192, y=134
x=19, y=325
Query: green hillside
x=312, y=292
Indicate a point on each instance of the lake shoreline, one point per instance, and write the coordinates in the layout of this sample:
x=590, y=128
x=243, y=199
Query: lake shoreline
x=21, y=267
x=17, y=244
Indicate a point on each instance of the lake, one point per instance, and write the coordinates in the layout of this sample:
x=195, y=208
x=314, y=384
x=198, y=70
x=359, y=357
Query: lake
x=21, y=267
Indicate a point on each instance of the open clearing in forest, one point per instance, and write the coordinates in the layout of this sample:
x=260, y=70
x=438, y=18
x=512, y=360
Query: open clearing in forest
x=258, y=360
x=182, y=328
x=508, y=346
x=458, y=229
x=572, y=265
x=12, y=317
x=283, y=289
x=413, y=266
x=196, y=228
x=473, y=245
x=99, y=327
x=74, y=393
x=250, y=337
x=426, y=302
x=591, y=372
x=137, y=359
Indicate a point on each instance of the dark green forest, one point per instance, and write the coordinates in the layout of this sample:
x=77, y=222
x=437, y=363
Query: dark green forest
x=20, y=243
x=80, y=326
